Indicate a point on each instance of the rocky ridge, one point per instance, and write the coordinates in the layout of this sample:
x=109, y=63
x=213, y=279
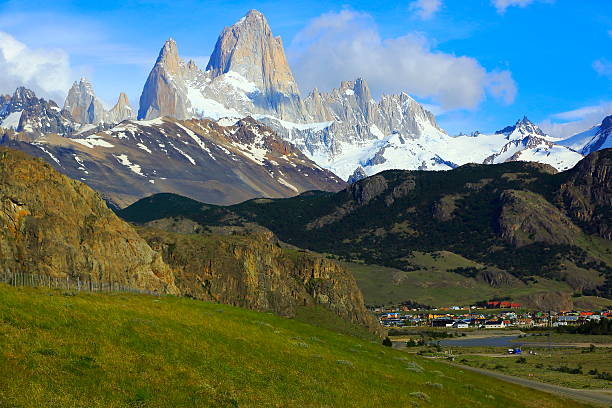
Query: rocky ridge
x=342, y=130
x=24, y=113
x=218, y=162
x=87, y=109
x=248, y=268
x=521, y=218
x=55, y=226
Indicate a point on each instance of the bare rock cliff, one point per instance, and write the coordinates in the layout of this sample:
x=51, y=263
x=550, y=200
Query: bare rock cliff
x=251, y=270
x=53, y=225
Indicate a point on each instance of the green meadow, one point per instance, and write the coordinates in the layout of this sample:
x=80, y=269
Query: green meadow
x=59, y=349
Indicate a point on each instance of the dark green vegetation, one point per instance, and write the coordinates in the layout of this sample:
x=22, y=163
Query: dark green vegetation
x=119, y=350
x=511, y=223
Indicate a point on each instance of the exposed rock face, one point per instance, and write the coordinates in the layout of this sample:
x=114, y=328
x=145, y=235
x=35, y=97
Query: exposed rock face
x=165, y=93
x=121, y=111
x=253, y=271
x=527, y=217
x=85, y=107
x=552, y=301
x=497, y=279
x=249, y=49
x=359, y=174
x=24, y=112
x=587, y=194
x=57, y=226
x=218, y=163
x=364, y=191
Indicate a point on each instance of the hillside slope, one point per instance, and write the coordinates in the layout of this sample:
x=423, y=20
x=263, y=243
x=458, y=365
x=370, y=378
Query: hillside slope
x=52, y=225
x=218, y=162
x=55, y=226
x=128, y=350
x=519, y=218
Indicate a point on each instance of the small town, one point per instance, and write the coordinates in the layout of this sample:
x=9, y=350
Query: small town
x=492, y=315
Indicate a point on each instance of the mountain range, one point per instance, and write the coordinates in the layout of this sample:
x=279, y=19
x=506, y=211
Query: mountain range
x=346, y=131
x=510, y=224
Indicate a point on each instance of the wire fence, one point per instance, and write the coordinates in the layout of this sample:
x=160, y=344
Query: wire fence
x=68, y=283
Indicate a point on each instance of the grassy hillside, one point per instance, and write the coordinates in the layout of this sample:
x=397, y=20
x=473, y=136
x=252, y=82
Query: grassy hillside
x=118, y=350
x=433, y=283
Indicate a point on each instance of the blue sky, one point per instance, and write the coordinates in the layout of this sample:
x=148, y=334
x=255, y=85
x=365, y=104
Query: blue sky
x=501, y=59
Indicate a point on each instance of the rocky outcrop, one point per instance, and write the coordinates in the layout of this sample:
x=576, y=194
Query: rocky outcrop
x=32, y=116
x=86, y=108
x=56, y=226
x=587, y=193
x=251, y=270
x=358, y=174
x=497, y=279
x=527, y=217
x=550, y=301
x=368, y=189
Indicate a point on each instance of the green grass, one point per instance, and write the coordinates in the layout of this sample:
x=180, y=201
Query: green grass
x=432, y=284
x=123, y=350
x=544, y=366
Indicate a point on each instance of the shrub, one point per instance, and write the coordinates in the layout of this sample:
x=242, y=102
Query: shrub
x=420, y=395
x=521, y=360
x=387, y=342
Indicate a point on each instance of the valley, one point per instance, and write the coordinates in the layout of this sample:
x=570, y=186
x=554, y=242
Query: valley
x=356, y=214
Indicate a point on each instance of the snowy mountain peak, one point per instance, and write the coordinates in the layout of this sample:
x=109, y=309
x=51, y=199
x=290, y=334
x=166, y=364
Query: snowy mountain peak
x=522, y=128
x=250, y=49
x=596, y=138
x=24, y=112
x=169, y=56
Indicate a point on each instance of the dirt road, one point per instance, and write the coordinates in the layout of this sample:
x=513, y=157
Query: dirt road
x=588, y=396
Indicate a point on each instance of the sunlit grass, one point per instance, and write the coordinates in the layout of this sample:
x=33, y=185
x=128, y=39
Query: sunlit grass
x=117, y=350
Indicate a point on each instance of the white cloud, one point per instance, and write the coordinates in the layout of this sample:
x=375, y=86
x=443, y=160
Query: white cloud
x=46, y=71
x=502, y=5
x=566, y=124
x=425, y=9
x=603, y=67
x=347, y=45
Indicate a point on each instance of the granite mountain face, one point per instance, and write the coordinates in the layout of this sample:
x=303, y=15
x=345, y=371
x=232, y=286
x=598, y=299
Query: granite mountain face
x=343, y=130
x=87, y=109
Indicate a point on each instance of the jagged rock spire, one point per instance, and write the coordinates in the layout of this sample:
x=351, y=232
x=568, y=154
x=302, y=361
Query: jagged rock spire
x=86, y=108
x=249, y=48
